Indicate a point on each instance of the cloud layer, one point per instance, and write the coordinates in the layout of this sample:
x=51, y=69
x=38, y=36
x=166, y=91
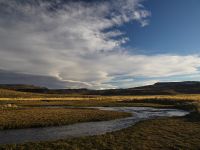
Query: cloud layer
x=78, y=44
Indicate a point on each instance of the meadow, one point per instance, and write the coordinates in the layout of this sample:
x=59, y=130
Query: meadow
x=161, y=133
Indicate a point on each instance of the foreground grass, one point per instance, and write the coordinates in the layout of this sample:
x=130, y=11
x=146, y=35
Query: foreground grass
x=40, y=117
x=166, y=133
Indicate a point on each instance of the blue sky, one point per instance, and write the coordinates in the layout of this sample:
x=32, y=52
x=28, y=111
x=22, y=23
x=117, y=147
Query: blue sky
x=99, y=44
x=173, y=28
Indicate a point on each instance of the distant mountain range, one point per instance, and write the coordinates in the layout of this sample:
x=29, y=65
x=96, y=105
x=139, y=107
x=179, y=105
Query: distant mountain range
x=163, y=88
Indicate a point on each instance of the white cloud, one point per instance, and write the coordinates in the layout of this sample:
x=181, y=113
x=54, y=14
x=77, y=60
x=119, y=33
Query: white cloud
x=77, y=43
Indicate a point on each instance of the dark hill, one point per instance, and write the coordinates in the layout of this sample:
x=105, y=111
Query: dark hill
x=162, y=88
x=186, y=87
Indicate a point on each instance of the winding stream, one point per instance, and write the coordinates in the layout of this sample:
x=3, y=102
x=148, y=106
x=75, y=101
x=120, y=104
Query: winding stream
x=87, y=128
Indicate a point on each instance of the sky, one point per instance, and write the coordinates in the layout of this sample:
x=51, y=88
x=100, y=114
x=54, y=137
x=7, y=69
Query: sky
x=99, y=44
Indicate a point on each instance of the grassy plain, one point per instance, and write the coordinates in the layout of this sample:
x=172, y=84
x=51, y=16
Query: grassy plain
x=163, y=133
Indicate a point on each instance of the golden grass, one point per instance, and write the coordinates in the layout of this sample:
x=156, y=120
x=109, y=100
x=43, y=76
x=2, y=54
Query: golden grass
x=33, y=96
x=40, y=117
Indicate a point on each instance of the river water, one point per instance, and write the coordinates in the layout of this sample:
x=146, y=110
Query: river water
x=88, y=128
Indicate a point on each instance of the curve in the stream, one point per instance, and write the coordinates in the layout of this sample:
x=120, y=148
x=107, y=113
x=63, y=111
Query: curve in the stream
x=88, y=128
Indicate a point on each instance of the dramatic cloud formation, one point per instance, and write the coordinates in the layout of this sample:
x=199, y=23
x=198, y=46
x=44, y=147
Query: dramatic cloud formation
x=77, y=44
